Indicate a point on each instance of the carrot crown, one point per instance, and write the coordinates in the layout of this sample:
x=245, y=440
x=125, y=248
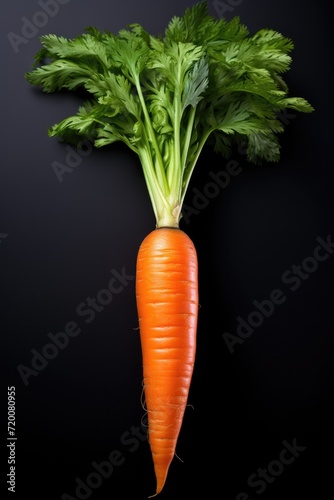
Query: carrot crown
x=165, y=96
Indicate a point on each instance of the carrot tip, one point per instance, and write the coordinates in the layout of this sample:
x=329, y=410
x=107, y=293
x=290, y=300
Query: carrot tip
x=151, y=496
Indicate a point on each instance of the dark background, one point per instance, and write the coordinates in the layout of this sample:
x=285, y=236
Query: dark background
x=59, y=242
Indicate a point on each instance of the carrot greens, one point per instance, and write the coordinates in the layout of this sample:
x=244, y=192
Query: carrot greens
x=165, y=96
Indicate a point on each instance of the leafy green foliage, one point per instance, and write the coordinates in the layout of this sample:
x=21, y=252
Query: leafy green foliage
x=166, y=96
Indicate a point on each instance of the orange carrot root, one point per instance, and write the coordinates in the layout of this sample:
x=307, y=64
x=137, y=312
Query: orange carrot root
x=167, y=302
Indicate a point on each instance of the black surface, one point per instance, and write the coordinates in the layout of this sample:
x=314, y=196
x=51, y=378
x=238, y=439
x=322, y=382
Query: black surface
x=61, y=240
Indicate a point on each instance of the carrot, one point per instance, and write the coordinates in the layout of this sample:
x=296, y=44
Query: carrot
x=165, y=97
x=167, y=301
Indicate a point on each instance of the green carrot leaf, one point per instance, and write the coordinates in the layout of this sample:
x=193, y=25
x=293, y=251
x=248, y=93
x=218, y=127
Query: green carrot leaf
x=204, y=80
